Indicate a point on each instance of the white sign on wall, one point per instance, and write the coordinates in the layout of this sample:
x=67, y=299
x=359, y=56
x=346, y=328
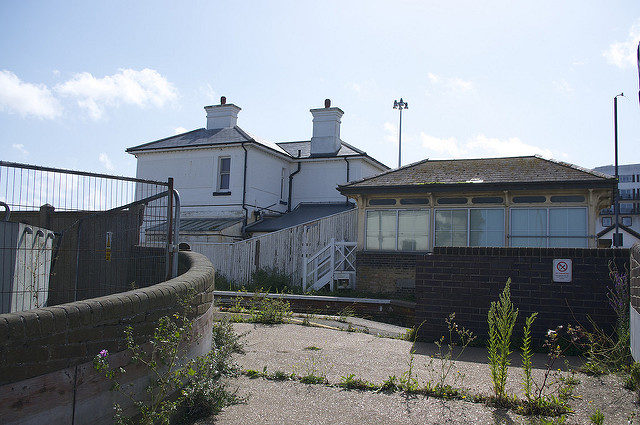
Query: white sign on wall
x=562, y=270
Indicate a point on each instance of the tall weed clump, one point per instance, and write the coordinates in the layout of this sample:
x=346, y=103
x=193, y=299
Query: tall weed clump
x=501, y=319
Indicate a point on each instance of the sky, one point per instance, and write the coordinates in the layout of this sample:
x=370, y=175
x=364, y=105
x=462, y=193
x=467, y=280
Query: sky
x=82, y=81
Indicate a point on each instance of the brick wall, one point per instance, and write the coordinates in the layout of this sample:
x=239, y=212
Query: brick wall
x=634, y=313
x=386, y=272
x=466, y=280
x=46, y=374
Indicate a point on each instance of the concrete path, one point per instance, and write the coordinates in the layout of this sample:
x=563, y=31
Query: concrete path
x=291, y=348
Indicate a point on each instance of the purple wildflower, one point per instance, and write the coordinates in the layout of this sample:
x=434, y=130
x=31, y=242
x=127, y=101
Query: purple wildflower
x=103, y=353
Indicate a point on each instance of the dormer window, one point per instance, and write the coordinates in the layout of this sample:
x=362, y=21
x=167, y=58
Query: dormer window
x=224, y=173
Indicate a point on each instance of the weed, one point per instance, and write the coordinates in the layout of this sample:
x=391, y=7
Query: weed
x=272, y=278
x=350, y=382
x=390, y=384
x=527, y=354
x=501, y=319
x=409, y=335
x=597, y=418
x=449, y=351
x=282, y=376
x=313, y=379
x=345, y=313
x=253, y=374
x=263, y=309
x=178, y=391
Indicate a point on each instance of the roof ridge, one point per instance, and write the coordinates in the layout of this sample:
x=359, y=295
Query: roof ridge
x=163, y=139
x=575, y=167
x=383, y=173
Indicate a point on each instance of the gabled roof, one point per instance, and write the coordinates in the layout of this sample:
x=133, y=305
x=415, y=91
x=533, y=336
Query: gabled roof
x=480, y=173
x=304, y=147
x=199, y=224
x=303, y=213
x=627, y=229
x=202, y=138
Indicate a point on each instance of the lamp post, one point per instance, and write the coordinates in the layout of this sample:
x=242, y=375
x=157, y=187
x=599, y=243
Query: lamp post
x=616, y=200
x=400, y=105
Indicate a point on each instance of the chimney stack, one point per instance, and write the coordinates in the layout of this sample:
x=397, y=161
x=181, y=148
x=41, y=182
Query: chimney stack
x=223, y=115
x=326, y=130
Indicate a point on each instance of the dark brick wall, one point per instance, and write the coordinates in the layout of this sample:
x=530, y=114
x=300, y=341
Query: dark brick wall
x=634, y=280
x=466, y=280
x=386, y=272
x=47, y=339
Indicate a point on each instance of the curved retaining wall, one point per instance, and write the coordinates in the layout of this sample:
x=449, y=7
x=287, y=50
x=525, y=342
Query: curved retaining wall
x=46, y=370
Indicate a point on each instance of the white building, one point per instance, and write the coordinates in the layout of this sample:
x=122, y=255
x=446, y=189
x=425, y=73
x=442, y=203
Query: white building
x=629, y=214
x=232, y=184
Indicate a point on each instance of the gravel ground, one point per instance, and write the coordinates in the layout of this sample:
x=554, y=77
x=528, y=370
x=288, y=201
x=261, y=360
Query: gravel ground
x=285, y=348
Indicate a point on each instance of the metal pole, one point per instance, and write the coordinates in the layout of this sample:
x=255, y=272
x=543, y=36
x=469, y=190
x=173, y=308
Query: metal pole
x=400, y=141
x=169, y=267
x=616, y=199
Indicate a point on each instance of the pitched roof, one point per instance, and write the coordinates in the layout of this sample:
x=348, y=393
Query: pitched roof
x=199, y=224
x=477, y=173
x=203, y=137
x=303, y=213
x=627, y=229
x=304, y=147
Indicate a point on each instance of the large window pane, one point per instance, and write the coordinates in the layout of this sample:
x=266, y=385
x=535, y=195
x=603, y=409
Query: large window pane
x=529, y=227
x=568, y=222
x=381, y=230
x=486, y=227
x=451, y=227
x=413, y=230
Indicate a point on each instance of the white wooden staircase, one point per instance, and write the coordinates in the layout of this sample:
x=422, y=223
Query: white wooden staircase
x=333, y=265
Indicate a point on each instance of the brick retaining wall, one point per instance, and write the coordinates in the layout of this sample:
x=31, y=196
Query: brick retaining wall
x=46, y=353
x=465, y=281
x=386, y=272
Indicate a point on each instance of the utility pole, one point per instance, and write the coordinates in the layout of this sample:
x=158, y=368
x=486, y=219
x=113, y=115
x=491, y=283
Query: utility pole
x=616, y=200
x=400, y=105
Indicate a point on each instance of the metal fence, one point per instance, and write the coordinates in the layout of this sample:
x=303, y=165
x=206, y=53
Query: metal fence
x=68, y=235
x=284, y=249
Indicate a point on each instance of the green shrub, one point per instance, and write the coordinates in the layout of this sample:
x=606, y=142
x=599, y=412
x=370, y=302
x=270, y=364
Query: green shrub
x=222, y=283
x=527, y=354
x=269, y=310
x=271, y=279
x=597, y=418
x=177, y=391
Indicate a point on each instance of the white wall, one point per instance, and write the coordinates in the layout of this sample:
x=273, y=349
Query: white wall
x=195, y=177
x=264, y=172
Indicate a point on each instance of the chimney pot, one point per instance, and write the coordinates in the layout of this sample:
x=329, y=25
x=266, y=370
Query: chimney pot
x=327, y=103
x=223, y=100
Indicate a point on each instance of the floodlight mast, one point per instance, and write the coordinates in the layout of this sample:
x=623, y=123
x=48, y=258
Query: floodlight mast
x=616, y=199
x=400, y=105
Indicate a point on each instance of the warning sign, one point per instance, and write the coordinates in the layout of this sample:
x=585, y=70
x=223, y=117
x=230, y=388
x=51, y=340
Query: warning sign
x=562, y=270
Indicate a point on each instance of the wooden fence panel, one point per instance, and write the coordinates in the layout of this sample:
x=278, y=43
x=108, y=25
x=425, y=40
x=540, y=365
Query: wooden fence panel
x=283, y=249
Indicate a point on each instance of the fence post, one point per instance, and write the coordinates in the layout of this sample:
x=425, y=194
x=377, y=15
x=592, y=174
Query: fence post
x=333, y=261
x=169, y=267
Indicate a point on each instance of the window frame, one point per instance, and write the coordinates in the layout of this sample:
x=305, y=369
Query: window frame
x=397, y=227
x=547, y=237
x=221, y=173
x=468, y=209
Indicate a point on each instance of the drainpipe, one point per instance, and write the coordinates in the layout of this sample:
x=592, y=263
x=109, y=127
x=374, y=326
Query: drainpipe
x=346, y=197
x=244, y=189
x=291, y=183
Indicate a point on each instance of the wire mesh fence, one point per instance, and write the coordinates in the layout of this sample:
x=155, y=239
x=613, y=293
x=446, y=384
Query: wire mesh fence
x=68, y=235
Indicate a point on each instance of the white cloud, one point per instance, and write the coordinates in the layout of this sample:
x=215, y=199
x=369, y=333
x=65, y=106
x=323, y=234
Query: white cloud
x=623, y=53
x=209, y=94
x=455, y=85
x=105, y=161
x=140, y=88
x=391, y=131
x=26, y=98
x=20, y=148
x=179, y=130
x=563, y=86
x=480, y=146
x=355, y=87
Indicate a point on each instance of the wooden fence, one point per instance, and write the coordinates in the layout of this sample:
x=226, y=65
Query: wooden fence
x=283, y=249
